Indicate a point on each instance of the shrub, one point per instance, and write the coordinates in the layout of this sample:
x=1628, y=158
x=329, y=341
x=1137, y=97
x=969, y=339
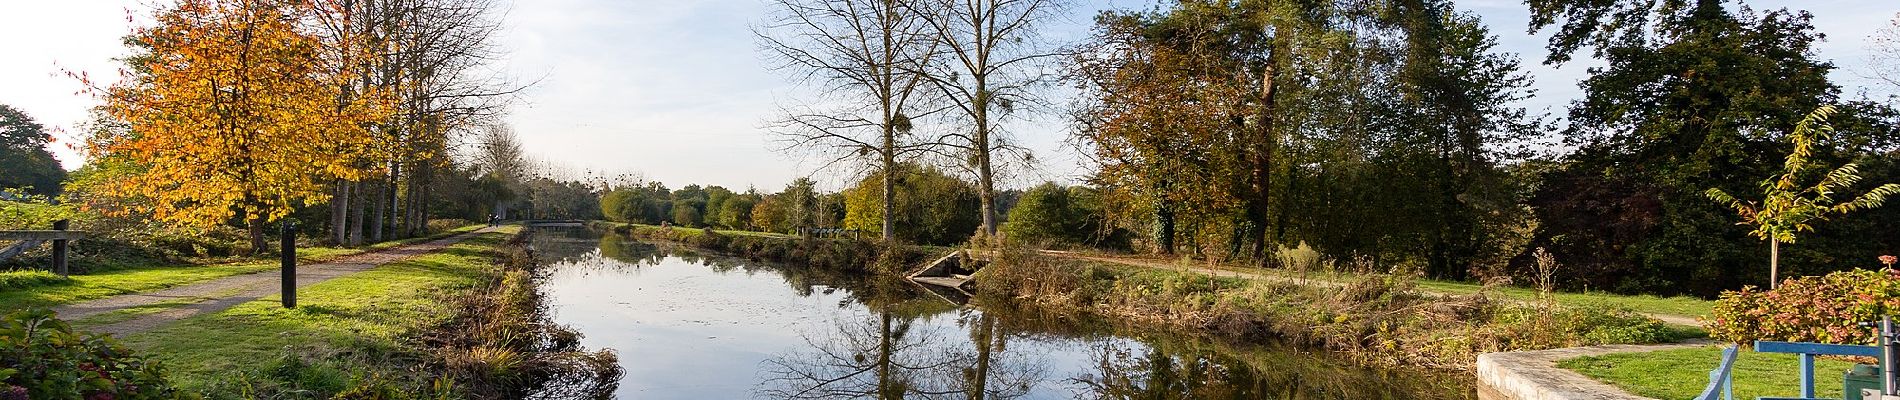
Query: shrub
x=1825, y=309
x=1300, y=258
x=43, y=357
x=33, y=214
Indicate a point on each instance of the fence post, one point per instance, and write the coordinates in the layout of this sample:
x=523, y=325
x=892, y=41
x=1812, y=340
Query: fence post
x=1889, y=353
x=288, y=254
x=59, y=247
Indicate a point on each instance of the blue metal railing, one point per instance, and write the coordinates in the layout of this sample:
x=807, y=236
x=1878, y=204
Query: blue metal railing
x=1721, y=380
x=1808, y=351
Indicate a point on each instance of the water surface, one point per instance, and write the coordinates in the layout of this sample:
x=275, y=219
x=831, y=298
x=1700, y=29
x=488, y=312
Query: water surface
x=689, y=326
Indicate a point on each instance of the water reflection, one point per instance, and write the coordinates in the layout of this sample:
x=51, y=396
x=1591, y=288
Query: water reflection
x=891, y=355
x=691, y=325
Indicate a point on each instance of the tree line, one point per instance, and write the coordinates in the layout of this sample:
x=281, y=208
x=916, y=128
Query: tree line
x=1387, y=134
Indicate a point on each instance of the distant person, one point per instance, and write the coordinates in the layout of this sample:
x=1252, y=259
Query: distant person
x=493, y=219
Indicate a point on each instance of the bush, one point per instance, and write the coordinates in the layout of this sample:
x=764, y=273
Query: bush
x=1824, y=309
x=44, y=358
x=34, y=214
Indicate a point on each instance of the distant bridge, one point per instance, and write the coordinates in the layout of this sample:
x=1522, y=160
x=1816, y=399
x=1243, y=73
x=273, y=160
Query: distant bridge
x=555, y=222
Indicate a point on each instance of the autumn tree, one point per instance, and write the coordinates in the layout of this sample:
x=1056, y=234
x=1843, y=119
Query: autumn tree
x=234, y=113
x=864, y=59
x=1376, y=130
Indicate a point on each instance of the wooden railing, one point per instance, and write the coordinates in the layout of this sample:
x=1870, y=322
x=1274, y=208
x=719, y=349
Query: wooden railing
x=59, y=236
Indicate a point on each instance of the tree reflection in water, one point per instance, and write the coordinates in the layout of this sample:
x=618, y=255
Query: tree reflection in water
x=889, y=355
x=1167, y=369
x=891, y=339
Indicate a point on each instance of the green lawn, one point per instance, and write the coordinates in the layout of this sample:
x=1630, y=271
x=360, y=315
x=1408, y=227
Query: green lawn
x=1681, y=374
x=1681, y=305
x=40, y=289
x=363, y=316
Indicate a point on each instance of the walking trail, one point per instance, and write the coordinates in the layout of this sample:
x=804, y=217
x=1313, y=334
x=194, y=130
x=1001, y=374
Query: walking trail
x=219, y=294
x=1671, y=319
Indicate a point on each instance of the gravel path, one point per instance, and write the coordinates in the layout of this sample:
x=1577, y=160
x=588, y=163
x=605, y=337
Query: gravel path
x=216, y=295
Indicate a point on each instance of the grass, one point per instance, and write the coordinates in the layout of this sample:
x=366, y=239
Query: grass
x=364, y=315
x=1680, y=305
x=1682, y=373
x=1648, y=304
x=40, y=289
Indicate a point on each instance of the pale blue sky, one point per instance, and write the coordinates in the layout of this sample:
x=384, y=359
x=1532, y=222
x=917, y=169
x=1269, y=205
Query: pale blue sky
x=677, y=91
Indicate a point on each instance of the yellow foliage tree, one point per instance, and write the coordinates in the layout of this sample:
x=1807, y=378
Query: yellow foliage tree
x=237, y=111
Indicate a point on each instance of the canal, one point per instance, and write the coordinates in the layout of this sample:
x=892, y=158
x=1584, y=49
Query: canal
x=688, y=325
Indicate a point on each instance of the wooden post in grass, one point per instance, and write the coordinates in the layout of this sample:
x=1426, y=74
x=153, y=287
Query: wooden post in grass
x=289, y=257
x=59, y=247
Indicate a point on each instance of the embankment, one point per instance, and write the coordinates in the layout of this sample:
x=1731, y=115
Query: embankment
x=1378, y=319
x=463, y=322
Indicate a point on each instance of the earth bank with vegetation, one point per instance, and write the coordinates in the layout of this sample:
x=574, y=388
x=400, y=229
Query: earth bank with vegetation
x=1374, y=317
x=466, y=322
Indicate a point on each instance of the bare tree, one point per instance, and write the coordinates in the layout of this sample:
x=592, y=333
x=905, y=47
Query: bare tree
x=992, y=59
x=1884, y=54
x=864, y=59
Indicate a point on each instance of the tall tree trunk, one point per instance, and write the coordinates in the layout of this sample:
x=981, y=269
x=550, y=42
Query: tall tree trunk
x=985, y=173
x=1164, y=227
x=358, y=204
x=259, y=246
x=890, y=184
x=376, y=228
x=1261, y=157
x=340, y=212
x=417, y=212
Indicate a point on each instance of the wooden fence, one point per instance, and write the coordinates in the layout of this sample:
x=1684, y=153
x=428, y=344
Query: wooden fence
x=59, y=236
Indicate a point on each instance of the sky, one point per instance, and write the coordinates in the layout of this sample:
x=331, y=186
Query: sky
x=677, y=91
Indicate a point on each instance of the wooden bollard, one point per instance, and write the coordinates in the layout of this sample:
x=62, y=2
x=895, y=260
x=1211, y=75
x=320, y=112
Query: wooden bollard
x=59, y=247
x=288, y=254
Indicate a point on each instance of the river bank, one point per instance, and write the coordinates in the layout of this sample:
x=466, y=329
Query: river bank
x=461, y=322
x=1379, y=319
x=715, y=325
